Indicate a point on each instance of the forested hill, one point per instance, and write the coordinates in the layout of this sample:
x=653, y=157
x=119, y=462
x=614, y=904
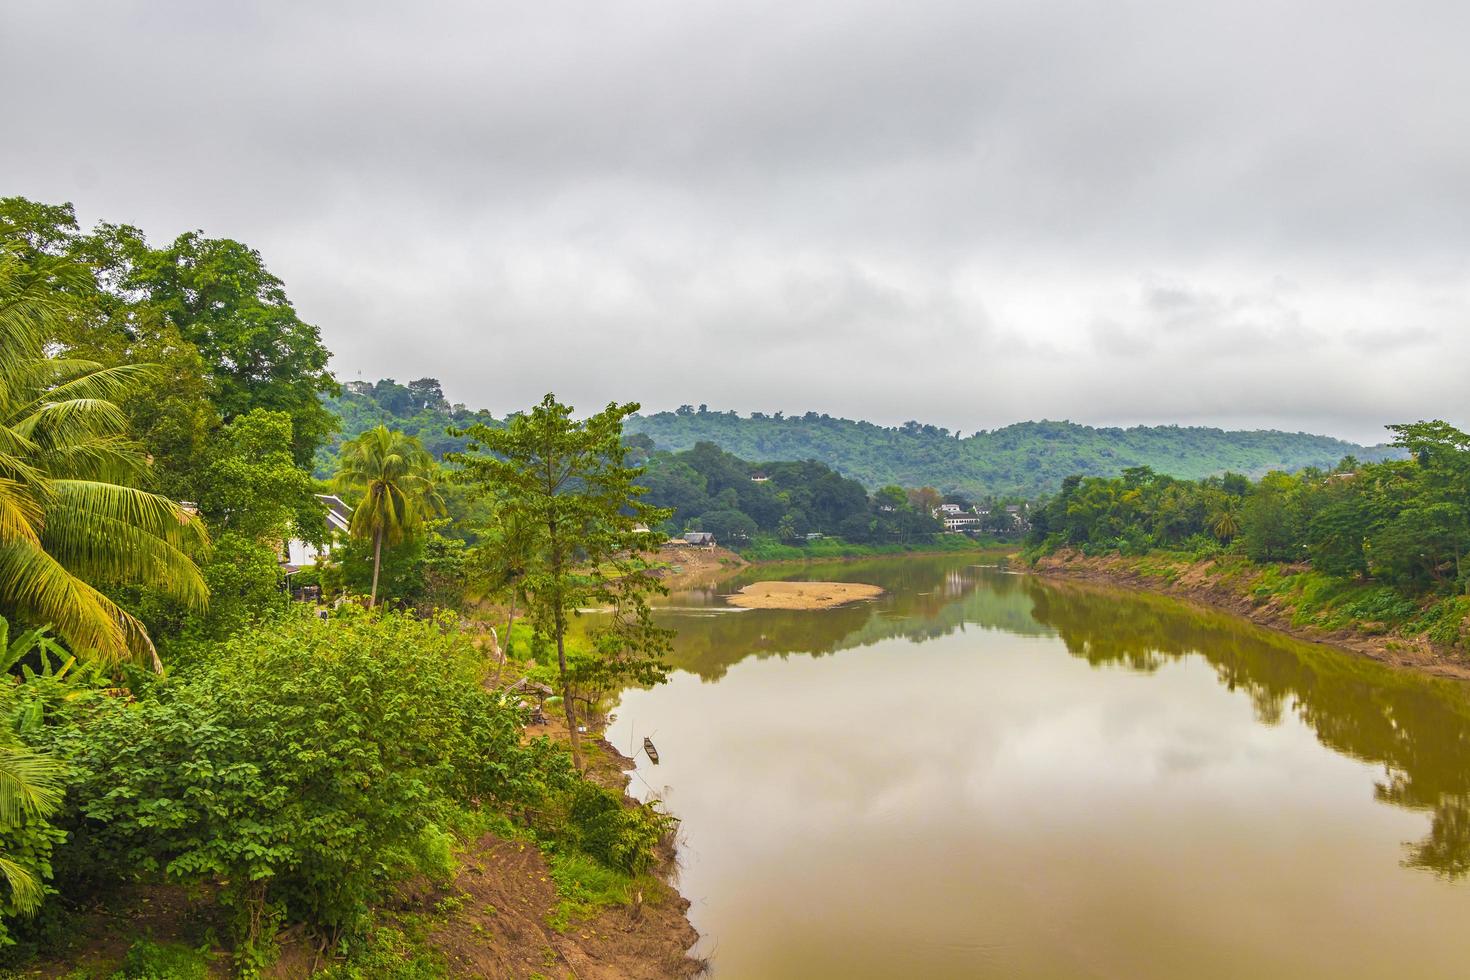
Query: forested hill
x=1022, y=460
x=418, y=408
x=1025, y=459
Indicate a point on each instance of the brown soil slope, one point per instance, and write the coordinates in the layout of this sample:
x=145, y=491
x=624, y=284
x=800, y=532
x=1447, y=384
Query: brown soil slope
x=1205, y=583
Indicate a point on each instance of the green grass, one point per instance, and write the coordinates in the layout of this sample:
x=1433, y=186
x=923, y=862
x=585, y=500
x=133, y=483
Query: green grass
x=390, y=952
x=584, y=887
x=1326, y=602
x=147, y=960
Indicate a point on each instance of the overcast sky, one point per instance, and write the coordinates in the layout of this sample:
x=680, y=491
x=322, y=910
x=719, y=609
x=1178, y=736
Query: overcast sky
x=966, y=212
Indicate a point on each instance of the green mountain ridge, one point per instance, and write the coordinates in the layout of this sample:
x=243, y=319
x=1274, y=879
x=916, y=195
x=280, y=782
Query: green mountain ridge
x=1026, y=459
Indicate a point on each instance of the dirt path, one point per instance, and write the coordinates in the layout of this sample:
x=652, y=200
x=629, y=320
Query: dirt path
x=505, y=893
x=1198, y=584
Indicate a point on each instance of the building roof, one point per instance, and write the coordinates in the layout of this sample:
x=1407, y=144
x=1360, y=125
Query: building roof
x=339, y=515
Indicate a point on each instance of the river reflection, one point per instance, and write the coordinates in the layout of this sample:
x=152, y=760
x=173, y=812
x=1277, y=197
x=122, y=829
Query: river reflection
x=983, y=773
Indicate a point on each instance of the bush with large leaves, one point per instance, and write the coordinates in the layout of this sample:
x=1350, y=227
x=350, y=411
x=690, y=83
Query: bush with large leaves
x=302, y=768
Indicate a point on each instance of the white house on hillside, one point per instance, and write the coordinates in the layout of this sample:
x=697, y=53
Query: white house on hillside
x=300, y=554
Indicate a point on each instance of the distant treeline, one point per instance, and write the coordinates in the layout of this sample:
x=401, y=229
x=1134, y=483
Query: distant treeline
x=712, y=490
x=1025, y=460
x=708, y=488
x=417, y=408
x=1402, y=523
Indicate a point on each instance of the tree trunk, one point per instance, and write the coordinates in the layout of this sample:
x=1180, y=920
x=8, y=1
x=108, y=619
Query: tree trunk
x=510, y=622
x=567, y=700
x=504, y=652
x=377, y=565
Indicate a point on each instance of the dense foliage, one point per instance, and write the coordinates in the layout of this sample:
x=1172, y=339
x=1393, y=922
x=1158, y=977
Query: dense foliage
x=291, y=764
x=305, y=767
x=709, y=489
x=1023, y=460
x=75, y=516
x=1401, y=524
x=206, y=311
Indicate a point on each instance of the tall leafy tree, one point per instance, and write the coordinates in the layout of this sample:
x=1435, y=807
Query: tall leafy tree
x=395, y=482
x=500, y=562
x=221, y=298
x=568, y=480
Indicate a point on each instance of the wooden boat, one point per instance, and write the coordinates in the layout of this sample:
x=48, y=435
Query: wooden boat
x=650, y=750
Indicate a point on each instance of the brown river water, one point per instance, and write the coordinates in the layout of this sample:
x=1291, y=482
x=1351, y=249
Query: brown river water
x=986, y=774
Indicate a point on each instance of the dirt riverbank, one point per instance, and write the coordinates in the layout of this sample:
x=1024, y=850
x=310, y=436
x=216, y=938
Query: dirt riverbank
x=1205, y=583
x=689, y=567
x=491, y=920
x=505, y=895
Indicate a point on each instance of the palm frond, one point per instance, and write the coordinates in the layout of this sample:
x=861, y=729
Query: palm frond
x=42, y=590
x=98, y=382
x=30, y=784
x=55, y=423
x=104, y=549
x=20, y=513
x=25, y=890
x=152, y=513
x=108, y=459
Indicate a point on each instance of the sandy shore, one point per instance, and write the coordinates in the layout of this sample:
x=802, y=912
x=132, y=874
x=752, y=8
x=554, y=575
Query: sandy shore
x=802, y=595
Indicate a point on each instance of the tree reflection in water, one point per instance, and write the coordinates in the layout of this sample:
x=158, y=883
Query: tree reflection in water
x=1416, y=727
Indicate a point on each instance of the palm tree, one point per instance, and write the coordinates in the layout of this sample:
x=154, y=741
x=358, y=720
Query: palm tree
x=1225, y=522
x=396, y=479
x=73, y=515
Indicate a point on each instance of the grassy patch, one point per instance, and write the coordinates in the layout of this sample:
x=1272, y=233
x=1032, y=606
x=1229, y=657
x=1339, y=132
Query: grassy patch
x=147, y=960
x=584, y=886
x=389, y=953
x=1446, y=622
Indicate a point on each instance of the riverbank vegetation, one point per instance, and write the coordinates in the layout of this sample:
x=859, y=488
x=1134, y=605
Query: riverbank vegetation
x=1367, y=547
x=176, y=732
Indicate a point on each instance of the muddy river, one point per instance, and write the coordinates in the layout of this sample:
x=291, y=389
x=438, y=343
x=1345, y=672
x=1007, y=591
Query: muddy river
x=984, y=774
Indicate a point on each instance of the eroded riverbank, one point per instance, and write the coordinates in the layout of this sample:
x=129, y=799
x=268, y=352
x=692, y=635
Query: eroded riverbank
x=1228, y=589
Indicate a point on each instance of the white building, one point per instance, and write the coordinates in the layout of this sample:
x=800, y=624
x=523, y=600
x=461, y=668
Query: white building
x=960, y=522
x=300, y=554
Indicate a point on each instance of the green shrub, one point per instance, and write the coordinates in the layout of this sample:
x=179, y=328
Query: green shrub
x=147, y=960
x=1446, y=622
x=601, y=824
x=305, y=767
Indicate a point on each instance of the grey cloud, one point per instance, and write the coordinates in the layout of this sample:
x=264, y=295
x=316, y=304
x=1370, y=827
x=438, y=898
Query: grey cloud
x=964, y=212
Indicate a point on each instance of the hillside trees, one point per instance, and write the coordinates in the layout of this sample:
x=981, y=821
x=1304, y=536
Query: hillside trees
x=1404, y=523
x=1023, y=460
